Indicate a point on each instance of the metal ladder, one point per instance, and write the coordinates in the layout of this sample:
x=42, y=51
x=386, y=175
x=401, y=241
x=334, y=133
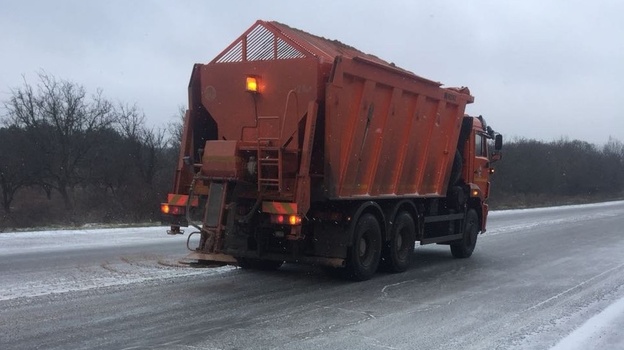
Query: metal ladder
x=269, y=161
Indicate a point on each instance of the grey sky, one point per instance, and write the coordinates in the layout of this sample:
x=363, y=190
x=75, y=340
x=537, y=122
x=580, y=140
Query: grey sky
x=537, y=69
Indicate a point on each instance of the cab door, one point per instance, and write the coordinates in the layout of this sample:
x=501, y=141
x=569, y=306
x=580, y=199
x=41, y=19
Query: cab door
x=481, y=164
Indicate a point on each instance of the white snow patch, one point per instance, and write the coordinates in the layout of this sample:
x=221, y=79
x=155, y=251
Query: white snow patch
x=509, y=221
x=530, y=225
x=37, y=241
x=114, y=271
x=556, y=208
x=596, y=332
x=84, y=279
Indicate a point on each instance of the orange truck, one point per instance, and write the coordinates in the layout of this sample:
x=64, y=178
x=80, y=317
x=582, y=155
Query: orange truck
x=301, y=149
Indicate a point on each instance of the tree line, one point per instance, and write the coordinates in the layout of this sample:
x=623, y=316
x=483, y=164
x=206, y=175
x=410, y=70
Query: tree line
x=69, y=157
x=535, y=173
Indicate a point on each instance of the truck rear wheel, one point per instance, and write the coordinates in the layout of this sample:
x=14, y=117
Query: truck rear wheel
x=464, y=247
x=364, y=253
x=258, y=264
x=399, y=250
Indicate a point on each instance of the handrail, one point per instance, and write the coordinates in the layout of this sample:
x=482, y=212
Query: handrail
x=283, y=121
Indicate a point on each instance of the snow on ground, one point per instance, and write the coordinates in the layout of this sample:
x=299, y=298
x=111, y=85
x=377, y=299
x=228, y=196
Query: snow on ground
x=603, y=331
x=555, y=208
x=552, y=216
x=37, y=241
x=129, y=268
x=525, y=226
x=36, y=253
x=107, y=274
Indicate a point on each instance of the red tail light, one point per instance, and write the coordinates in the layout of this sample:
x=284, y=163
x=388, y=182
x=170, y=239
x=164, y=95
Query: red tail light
x=165, y=208
x=292, y=220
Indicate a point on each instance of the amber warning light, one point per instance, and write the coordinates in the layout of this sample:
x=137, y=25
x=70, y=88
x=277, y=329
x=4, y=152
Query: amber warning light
x=252, y=84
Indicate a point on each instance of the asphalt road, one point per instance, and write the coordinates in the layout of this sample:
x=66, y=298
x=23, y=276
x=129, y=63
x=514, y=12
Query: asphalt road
x=534, y=281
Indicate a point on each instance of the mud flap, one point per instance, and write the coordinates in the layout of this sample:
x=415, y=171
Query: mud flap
x=212, y=229
x=215, y=204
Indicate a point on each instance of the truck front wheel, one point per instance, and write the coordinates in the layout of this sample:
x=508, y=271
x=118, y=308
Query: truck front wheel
x=364, y=253
x=464, y=247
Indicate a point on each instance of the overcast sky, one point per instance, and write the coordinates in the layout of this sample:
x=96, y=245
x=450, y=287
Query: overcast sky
x=538, y=69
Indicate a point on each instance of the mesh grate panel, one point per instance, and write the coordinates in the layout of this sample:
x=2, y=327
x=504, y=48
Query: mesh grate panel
x=285, y=51
x=260, y=45
x=234, y=55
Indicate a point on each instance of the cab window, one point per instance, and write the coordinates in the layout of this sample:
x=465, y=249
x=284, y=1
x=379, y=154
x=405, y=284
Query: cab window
x=480, y=144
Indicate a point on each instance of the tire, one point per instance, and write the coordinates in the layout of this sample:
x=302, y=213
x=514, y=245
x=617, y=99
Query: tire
x=464, y=247
x=257, y=264
x=363, y=255
x=398, y=252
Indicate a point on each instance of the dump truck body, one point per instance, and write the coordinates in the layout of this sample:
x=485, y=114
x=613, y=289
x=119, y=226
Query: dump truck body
x=297, y=148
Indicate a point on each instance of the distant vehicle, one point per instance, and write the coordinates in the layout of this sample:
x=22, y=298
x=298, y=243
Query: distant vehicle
x=301, y=149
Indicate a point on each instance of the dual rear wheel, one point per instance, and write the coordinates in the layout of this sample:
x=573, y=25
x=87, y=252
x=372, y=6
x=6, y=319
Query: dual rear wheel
x=398, y=251
x=368, y=249
x=363, y=255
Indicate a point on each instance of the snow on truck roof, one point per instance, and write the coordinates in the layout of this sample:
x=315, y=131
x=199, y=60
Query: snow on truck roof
x=269, y=40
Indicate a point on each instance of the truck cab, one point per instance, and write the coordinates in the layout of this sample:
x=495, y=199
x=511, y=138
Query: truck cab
x=478, y=157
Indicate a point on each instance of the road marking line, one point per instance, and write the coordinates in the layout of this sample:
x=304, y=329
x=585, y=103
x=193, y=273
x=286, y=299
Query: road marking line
x=576, y=286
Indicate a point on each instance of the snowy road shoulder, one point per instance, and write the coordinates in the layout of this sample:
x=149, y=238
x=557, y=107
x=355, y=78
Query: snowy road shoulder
x=603, y=331
x=107, y=274
x=513, y=212
x=36, y=263
x=62, y=240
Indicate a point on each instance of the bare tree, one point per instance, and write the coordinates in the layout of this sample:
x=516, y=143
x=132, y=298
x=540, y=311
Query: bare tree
x=145, y=144
x=154, y=142
x=60, y=120
x=16, y=165
x=613, y=153
x=130, y=121
x=176, y=127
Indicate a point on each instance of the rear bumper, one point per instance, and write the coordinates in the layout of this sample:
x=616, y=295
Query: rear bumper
x=230, y=260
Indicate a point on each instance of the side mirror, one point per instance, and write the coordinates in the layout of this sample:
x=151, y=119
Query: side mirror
x=498, y=142
x=496, y=156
